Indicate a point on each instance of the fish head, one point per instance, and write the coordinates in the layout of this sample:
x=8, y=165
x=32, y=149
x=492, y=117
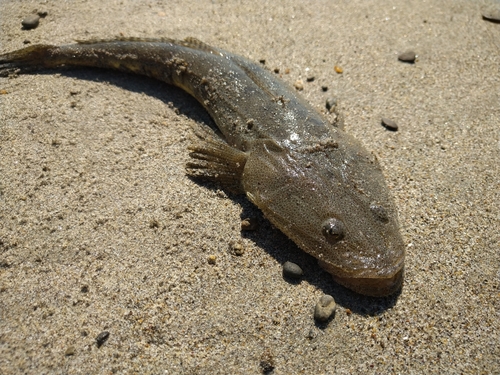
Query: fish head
x=331, y=199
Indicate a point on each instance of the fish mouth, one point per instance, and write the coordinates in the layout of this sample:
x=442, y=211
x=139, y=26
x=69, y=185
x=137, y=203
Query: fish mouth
x=374, y=287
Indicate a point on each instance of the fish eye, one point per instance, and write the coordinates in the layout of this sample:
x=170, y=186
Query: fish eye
x=380, y=212
x=333, y=229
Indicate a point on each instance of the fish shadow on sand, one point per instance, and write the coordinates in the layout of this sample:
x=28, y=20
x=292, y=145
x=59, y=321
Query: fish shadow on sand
x=266, y=236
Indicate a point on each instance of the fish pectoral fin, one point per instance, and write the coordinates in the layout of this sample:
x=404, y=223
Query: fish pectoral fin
x=215, y=160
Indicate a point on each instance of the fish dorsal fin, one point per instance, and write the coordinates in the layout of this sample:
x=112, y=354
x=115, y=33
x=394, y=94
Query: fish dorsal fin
x=128, y=39
x=194, y=43
x=189, y=42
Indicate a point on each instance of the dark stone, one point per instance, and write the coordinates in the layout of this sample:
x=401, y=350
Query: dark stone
x=408, y=57
x=101, y=338
x=292, y=270
x=389, y=124
x=31, y=22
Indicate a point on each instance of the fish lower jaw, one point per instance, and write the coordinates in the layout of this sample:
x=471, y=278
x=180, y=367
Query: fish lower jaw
x=373, y=287
x=370, y=286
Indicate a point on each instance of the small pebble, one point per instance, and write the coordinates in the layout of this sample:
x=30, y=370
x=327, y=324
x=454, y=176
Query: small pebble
x=292, y=270
x=338, y=69
x=331, y=103
x=311, y=335
x=408, y=57
x=101, y=338
x=31, y=22
x=262, y=61
x=237, y=248
x=42, y=14
x=26, y=41
x=389, y=124
x=325, y=308
x=249, y=224
x=154, y=224
x=324, y=88
x=299, y=85
x=70, y=351
x=211, y=259
x=267, y=364
x=310, y=78
x=276, y=70
x=492, y=14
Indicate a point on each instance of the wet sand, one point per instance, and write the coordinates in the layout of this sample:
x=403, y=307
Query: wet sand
x=100, y=229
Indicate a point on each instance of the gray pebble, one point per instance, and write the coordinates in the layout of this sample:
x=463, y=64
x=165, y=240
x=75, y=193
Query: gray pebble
x=492, y=14
x=31, y=22
x=101, y=338
x=292, y=270
x=389, y=124
x=69, y=351
x=331, y=103
x=408, y=56
x=325, y=308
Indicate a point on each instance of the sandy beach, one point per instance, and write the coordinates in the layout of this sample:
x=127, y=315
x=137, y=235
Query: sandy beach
x=105, y=242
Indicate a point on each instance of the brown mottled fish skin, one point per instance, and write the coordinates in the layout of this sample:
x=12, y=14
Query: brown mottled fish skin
x=314, y=182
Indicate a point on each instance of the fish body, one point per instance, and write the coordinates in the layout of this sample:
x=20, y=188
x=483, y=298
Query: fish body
x=313, y=181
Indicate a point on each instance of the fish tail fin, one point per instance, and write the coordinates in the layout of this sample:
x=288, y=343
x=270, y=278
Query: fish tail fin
x=29, y=58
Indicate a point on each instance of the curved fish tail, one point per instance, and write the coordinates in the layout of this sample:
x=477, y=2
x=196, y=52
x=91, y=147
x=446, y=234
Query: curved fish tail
x=29, y=58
